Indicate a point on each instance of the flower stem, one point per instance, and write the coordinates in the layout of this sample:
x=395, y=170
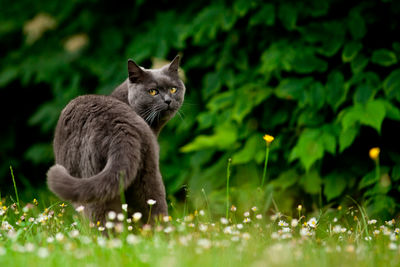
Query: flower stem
x=228, y=175
x=148, y=219
x=15, y=187
x=265, y=165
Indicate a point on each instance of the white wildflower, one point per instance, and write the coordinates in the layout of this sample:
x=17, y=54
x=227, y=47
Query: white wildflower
x=246, y=214
x=29, y=247
x=115, y=243
x=259, y=216
x=390, y=223
x=312, y=222
x=109, y=225
x=101, y=241
x=136, y=216
x=119, y=227
x=112, y=215
x=132, y=239
x=151, y=202
x=228, y=230
x=274, y=235
x=373, y=221
x=43, y=253
x=74, y=233
x=204, y=243
x=168, y=229
x=59, y=236
x=203, y=227
x=392, y=246
x=80, y=208
x=294, y=223
x=120, y=217
x=305, y=232
x=393, y=237
x=283, y=223
x=124, y=207
x=247, y=220
x=337, y=229
x=246, y=236
x=224, y=220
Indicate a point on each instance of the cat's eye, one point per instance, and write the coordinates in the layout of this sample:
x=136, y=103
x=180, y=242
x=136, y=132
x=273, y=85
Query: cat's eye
x=153, y=92
x=173, y=90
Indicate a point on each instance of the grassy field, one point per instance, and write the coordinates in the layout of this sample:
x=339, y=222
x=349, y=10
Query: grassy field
x=53, y=233
x=59, y=236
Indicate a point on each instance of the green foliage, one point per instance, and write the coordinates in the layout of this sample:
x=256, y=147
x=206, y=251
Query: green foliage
x=321, y=76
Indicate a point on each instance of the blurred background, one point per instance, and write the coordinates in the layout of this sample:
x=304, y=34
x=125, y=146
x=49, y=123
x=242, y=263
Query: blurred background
x=321, y=76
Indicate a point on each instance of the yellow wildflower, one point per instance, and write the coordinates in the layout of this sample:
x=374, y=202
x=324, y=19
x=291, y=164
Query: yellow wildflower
x=268, y=138
x=35, y=201
x=374, y=153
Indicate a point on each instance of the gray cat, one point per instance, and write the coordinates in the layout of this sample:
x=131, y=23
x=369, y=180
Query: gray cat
x=102, y=139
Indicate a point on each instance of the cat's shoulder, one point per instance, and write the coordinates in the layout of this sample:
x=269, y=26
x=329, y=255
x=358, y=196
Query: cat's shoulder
x=97, y=102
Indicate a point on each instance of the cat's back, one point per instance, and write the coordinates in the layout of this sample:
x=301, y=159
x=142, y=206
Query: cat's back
x=98, y=111
x=89, y=126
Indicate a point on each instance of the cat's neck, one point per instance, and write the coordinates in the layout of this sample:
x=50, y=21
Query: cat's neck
x=121, y=93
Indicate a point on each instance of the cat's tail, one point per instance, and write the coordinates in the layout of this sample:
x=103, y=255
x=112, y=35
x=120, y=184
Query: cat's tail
x=101, y=187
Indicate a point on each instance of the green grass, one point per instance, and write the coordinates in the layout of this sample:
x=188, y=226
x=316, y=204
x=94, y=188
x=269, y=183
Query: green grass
x=59, y=236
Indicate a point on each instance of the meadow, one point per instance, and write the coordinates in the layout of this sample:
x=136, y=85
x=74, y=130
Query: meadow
x=52, y=233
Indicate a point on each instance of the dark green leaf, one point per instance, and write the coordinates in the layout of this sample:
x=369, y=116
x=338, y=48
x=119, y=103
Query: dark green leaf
x=212, y=83
x=370, y=114
x=293, y=89
x=311, y=182
x=286, y=179
x=396, y=173
x=250, y=149
x=309, y=148
x=350, y=51
x=369, y=179
x=356, y=25
x=316, y=95
x=266, y=15
x=391, y=85
x=384, y=57
x=364, y=93
x=359, y=63
x=335, y=184
x=335, y=90
x=288, y=15
x=347, y=137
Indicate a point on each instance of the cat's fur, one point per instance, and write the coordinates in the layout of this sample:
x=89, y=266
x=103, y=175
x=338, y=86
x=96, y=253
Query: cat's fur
x=102, y=139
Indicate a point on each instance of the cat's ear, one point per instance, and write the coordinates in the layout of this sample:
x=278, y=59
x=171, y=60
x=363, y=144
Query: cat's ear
x=174, y=65
x=136, y=73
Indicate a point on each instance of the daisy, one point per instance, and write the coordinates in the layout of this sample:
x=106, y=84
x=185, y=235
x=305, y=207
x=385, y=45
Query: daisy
x=312, y=222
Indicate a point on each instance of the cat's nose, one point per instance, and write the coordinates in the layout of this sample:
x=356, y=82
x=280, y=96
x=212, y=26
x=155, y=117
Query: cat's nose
x=167, y=100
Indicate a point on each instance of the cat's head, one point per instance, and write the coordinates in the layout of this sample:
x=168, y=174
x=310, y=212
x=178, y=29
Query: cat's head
x=155, y=94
